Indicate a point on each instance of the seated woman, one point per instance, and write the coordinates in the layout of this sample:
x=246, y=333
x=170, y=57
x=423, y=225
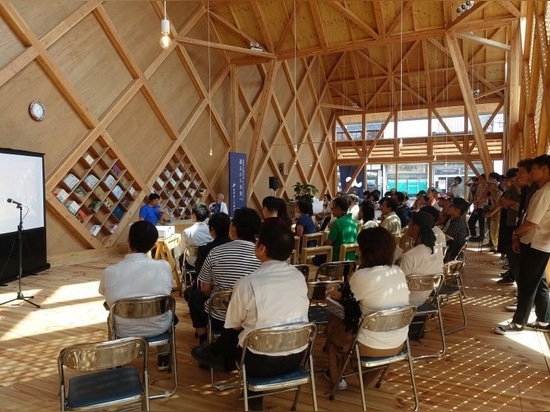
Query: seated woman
x=377, y=285
x=366, y=213
x=304, y=223
x=424, y=258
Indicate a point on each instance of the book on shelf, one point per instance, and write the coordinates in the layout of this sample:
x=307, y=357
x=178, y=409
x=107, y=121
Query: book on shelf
x=125, y=202
x=71, y=180
x=116, y=169
x=160, y=182
x=61, y=195
x=123, y=181
x=91, y=180
x=166, y=172
x=95, y=205
x=99, y=192
x=88, y=158
x=72, y=207
x=80, y=215
x=94, y=230
x=113, y=228
x=132, y=191
x=178, y=172
x=117, y=191
x=80, y=192
x=118, y=212
x=108, y=204
x=110, y=180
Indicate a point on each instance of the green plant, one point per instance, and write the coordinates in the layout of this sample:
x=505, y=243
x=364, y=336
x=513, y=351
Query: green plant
x=305, y=189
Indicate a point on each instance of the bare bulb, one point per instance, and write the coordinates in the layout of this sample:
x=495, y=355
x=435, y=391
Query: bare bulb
x=210, y=153
x=165, y=40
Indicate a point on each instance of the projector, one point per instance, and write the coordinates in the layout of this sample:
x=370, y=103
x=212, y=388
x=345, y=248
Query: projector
x=166, y=231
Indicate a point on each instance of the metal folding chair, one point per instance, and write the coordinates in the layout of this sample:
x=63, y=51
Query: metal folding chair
x=146, y=307
x=453, y=288
x=218, y=301
x=317, y=291
x=104, y=380
x=335, y=270
x=273, y=341
x=382, y=321
x=423, y=293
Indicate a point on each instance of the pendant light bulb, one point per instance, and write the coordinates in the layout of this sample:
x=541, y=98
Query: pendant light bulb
x=210, y=153
x=165, y=40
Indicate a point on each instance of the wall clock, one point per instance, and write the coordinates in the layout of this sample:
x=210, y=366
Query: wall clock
x=37, y=110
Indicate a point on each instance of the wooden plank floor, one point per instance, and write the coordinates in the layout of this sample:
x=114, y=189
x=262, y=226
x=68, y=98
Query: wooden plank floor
x=480, y=371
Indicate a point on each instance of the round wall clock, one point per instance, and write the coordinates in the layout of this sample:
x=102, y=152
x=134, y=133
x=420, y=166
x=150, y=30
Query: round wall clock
x=37, y=110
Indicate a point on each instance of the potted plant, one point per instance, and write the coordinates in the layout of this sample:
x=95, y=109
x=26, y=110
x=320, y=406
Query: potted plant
x=305, y=189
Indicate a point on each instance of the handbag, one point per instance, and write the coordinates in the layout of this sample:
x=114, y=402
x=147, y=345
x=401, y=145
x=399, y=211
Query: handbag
x=352, y=310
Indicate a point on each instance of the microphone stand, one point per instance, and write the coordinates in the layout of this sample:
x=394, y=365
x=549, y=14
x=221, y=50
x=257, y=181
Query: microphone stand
x=20, y=295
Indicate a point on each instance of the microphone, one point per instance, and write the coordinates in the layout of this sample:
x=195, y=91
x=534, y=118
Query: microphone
x=15, y=202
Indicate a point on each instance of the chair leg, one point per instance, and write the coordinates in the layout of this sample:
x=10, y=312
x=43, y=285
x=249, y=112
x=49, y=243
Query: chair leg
x=360, y=375
x=413, y=380
x=464, y=319
x=341, y=373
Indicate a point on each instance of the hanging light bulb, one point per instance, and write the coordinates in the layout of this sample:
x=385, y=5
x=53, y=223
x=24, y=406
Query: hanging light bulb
x=210, y=153
x=165, y=40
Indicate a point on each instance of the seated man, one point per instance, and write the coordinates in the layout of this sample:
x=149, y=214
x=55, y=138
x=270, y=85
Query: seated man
x=457, y=231
x=223, y=266
x=343, y=230
x=218, y=225
x=219, y=205
x=197, y=234
x=138, y=275
x=273, y=295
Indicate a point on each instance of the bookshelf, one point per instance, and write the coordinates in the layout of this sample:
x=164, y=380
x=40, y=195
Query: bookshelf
x=98, y=191
x=179, y=185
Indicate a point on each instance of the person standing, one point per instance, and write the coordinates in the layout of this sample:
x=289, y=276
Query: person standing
x=479, y=200
x=455, y=188
x=152, y=212
x=532, y=240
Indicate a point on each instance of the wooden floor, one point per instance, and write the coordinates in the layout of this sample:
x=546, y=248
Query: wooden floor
x=481, y=371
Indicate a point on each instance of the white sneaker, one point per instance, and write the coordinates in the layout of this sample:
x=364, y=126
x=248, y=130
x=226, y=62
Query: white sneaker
x=500, y=262
x=512, y=307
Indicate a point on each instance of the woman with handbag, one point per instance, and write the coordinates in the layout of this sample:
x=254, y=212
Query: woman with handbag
x=378, y=284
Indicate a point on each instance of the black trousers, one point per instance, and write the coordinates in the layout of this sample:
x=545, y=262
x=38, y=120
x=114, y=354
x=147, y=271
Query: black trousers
x=477, y=216
x=199, y=317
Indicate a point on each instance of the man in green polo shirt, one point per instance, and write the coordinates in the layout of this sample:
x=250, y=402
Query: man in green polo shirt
x=343, y=230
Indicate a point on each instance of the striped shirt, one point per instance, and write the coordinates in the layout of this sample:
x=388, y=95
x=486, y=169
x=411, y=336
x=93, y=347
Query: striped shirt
x=225, y=264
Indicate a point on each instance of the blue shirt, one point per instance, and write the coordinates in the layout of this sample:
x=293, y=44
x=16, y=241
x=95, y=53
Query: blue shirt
x=150, y=214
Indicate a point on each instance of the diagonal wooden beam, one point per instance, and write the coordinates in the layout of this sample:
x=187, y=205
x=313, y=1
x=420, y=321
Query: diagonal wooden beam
x=469, y=102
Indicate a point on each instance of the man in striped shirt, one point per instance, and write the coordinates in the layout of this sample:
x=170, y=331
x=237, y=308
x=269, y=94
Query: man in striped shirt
x=224, y=265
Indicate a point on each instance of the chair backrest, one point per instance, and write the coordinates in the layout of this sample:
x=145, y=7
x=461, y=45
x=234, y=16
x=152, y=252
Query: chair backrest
x=317, y=237
x=317, y=290
x=388, y=320
x=336, y=270
x=456, y=250
x=452, y=272
x=139, y=308
x=281, y=339
x=304, y=269
x=421, y=287
x=102, y=355
x=348, y=247
x=219, y=300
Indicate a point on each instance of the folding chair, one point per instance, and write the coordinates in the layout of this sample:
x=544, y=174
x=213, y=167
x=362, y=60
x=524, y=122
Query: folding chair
x=317, y=291
x=423, y=293
x=188, y=274
x=335, y=270
x=346, y=248
x=304, y=269
x=453, y=287
x=146, y=307
x=382, y=321
x=279, y=340
x=103, y=382
x=456, y=251
x=218, y=301
x=307, y=252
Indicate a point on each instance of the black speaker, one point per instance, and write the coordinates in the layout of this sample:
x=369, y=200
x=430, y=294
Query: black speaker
x=273, y=182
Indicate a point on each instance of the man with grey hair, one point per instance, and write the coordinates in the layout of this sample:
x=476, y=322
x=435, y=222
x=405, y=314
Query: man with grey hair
x=219, y=205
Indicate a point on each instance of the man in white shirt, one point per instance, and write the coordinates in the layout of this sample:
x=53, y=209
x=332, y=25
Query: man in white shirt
x=219, y=205
x=139, y=275
x=197, y=234
x=273, y=295
x=390, y=220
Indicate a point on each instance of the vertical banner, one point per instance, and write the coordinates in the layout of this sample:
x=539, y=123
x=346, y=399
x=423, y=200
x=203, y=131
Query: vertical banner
x=237, y=181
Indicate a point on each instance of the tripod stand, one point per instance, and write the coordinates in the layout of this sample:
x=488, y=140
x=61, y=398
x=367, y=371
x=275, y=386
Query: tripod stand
x=20, y=295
